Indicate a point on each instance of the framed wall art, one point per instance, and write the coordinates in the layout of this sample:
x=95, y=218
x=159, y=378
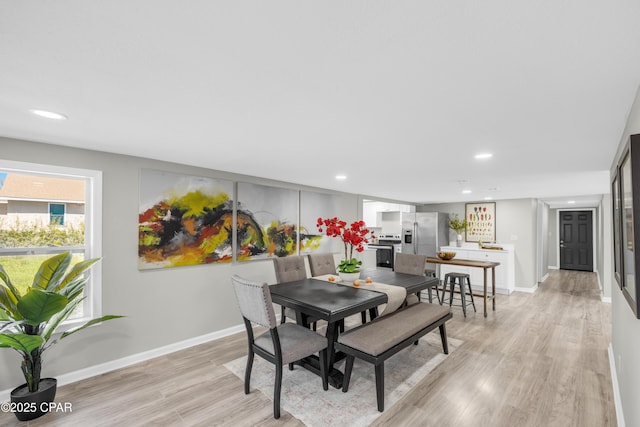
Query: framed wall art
x=183, y=220
x=481, y=222
x=312, y=206
x=616, y=215
x=267, y=222
x=626, y=204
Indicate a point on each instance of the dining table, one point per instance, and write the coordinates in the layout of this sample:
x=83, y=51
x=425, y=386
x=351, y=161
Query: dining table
x=335, y=301
x=485, y=265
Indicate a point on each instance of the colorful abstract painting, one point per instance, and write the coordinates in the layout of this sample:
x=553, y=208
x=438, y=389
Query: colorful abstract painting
x=183, y=220
x=312, y=206
x=267, y=219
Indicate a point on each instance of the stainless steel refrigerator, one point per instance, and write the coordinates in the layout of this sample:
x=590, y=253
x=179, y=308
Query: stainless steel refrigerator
x=424, y=232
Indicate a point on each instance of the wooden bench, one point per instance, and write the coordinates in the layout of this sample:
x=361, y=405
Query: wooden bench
x=380, y=339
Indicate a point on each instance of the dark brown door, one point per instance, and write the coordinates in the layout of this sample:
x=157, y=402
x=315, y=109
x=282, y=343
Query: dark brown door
x=576, y=240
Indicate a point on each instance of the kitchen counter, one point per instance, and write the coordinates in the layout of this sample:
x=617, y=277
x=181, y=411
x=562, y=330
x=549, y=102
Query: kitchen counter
x=474, y=247
x=505, y=272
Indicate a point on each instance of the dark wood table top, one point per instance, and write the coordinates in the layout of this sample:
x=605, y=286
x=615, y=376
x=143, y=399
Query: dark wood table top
x=333, y=301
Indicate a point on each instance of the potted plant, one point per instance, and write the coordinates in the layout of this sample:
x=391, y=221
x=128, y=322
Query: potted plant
x=354, y=237
x=459, y=226
x=28, y=323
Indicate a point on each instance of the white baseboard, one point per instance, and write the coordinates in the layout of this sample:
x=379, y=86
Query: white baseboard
x=605, y=299
x=102, y=368
x=553, y=267
x=616, y=388
x=545, y=277
x=531, y=290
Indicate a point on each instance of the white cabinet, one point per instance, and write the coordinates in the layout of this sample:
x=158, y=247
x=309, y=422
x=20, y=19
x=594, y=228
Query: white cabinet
x=375, y=213
x=368, y=258
x=505, y=272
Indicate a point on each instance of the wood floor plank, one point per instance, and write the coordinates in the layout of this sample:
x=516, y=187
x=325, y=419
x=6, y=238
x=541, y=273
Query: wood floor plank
x=540, y=360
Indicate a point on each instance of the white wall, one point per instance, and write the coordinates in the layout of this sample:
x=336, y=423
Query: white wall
x=605, y=249
x=625, y=340
x=163, y=307
x=543, y=240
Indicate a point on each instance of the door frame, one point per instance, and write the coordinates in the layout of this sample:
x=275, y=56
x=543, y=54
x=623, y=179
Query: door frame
x=594, y=241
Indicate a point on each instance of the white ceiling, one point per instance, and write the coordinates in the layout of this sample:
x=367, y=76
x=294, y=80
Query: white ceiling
x=398, y=95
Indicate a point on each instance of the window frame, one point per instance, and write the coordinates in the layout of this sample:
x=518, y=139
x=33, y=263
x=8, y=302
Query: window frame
x=92, y=305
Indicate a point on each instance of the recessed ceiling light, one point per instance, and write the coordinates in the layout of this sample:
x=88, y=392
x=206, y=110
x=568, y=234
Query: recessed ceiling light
x=488, y=198
x=483, y=156
x=571, y=202
x=466, y=191
x=49, y=114
x=341, y=177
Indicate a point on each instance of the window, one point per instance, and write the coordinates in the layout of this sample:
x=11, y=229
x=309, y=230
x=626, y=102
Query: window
x=56, y=213
x=46, y=210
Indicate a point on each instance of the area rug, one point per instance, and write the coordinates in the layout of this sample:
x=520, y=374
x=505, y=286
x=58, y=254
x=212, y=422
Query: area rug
x=303, y=396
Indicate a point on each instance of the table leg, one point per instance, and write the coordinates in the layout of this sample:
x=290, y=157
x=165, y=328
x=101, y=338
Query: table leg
x=312, y=363
x=335, y=376
x=332, y=336
x=302, y=319
x=484, y=294
x=493, y=286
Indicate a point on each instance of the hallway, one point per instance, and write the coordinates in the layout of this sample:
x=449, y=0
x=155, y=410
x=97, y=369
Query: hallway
x=540, y=360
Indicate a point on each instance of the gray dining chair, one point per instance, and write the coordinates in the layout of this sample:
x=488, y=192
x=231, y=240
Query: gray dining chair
x=280, y=344
x=411, y=264
x=321, y=264
x=289, y=269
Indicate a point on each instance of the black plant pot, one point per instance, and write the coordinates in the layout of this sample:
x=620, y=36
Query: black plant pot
x=28, y=405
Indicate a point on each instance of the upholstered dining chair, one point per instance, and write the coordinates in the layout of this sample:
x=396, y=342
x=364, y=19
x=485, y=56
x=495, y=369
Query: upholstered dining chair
x=411, y=264
x=321, y=264
x=280, y=344
x=289, y=269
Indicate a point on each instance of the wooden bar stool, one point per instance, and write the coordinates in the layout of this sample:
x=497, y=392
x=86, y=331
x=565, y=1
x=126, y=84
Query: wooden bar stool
x=464, y=283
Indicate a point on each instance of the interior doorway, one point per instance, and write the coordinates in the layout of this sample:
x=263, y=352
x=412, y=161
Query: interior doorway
x=576, y=240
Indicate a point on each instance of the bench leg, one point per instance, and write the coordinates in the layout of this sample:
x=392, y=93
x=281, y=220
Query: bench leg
x=380, y=386
x=347, y=373
x=443, y=336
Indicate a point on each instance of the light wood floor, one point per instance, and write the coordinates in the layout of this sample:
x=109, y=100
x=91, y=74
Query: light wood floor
x=539, y=360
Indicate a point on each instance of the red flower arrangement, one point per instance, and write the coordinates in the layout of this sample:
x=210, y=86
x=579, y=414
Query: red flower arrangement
x=353, y=237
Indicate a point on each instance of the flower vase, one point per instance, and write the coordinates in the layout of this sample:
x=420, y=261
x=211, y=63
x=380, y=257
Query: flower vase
x=459, y=240
x=349, y=277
